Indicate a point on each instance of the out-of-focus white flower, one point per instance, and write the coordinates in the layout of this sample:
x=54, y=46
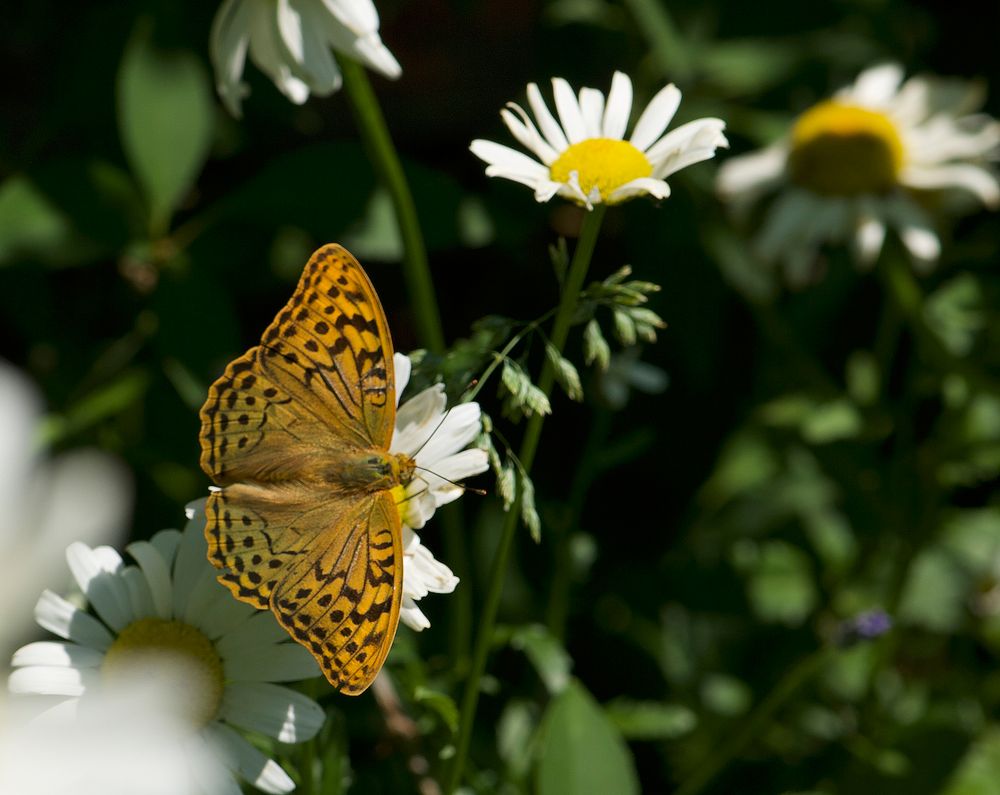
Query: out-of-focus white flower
x=290, y=41
x=45, y=504
x=626, y=372
x=128, y=741
x=168, y=620
x=584, y=156
x=436, y=438
x=855, y=165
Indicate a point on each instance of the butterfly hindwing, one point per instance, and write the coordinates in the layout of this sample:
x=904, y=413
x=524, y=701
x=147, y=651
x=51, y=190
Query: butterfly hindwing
x=341, y=599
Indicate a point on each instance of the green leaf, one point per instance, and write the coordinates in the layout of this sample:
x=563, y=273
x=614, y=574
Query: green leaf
x=650, y=720
x=442, y=704
x=979, y=771
x=546, y=653
x=29, y=223
x=165, y=119
x=581, y=751
x=566, y=374
x=780, y=580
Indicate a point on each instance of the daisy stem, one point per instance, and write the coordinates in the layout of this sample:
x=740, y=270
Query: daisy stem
x=529, y=445
x=385, y=158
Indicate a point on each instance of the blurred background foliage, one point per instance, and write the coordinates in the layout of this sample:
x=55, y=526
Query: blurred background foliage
x=786, y=461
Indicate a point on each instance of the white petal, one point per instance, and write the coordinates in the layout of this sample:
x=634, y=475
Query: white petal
x=229, y=40
x=974, y=179
x=751, y=174
x=157, y=574
x=190, y=560
x=510, y=161
x=319, y=69
x=688, y=144
x=417, y=419
x=166, y=543
x=656, y=188
x=569, y=111
x=422, y=572
x=401, y=366
x=140, y=597
x=63, y=619
x=52, y=681
x=222, y=615
x=276, y=662
x=869, y=239
x=592, y=108
x=783, y=223
x=413, y=616
x=655, y=118
x=54, y=654
x=207, y=597
x=921, y=242
x=265, y=774
x=524, y=130
x=619, y=106
x=105, y=591
x=457, y=427
x=267, y=51
x=273, y=710
x=261, y=629
x=876, y=86
x=546, y=121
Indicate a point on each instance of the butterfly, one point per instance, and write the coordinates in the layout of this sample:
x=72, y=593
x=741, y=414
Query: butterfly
x=295, y=434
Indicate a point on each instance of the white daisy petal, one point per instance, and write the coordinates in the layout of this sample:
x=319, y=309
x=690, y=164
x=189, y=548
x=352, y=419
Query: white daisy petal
x=230, y=38
x=869, y=239
x=52, y=681
x=656, y=188
x=965, y=176
x=157, y=574
x=63, y=619
x=276, y=711
x=922, y=242
x=507, y=159
x=222, y=616
x=166, y=542
x=267, y=52
x=54, y=654
x=261, y=628
x=401, y=366
x=524, y=130
x=413, y=616
x=569, y=111
x=875, y=86
x=619, y=107
x=189, y=558
x=752, y=173
x=592, y=108
x=265, y=774
x=554, y=135
x=139, y=596
x=690, y=143
x=655, y=118
x=106, y=592
x=279, y=662
x=451, y=431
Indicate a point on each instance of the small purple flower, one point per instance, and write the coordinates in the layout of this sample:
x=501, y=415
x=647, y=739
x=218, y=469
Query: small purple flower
x=864, y=626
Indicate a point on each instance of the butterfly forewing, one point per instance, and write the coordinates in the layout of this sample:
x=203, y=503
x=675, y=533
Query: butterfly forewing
x=324, y=554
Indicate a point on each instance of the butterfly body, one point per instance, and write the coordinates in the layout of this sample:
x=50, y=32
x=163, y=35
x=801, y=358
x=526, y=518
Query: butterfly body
x=295, y=434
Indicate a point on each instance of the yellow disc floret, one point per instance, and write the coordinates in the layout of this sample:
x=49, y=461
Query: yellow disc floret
x=602, y=163
x=845, y=150
x=156, y=647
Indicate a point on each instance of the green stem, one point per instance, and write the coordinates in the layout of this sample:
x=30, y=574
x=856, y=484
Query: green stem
x=529, y=446
x=375, y=134
x=751, y=729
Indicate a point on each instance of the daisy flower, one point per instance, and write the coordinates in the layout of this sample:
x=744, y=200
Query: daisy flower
x=860, y=163
x=168, y=618
x=436, y=439
x=585, y=157
x=45, y=503
x=290, y=42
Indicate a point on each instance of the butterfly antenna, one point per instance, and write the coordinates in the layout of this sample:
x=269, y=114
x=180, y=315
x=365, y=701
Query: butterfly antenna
x=480, y=492
x=437, y=427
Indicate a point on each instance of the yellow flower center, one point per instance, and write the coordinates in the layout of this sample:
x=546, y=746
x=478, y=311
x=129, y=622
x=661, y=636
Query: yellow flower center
x=844, y=150
x=403, y=502
x=175, y=651
x=602, y=163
